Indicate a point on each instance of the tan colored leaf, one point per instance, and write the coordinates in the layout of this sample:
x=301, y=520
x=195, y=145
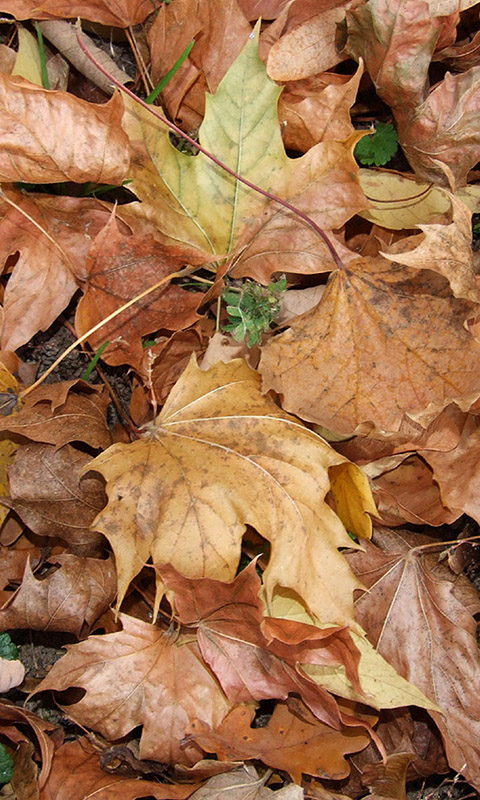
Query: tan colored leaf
x=9, y=404
x=119, y=13
x=317, y=109
x=12, y=674
x=119, y=267
x=141, y=676
x=415, y=616
x=70, y=598
x=51, y=260
x=77, y=774
x=399, y=202
x=297, y=743
x=56, y=414
x=309, y=48
x=218, y=457
x=365, y=354
x=50, y=496
x=54, y=136
x=245, y=784
x=13, y=715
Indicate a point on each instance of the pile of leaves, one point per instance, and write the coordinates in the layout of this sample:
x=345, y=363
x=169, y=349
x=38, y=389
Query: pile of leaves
x=262, y=564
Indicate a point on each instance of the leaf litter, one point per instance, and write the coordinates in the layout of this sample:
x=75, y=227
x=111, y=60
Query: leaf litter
x=242, y=538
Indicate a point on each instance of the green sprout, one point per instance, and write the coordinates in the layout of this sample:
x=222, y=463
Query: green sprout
x=379, y=147
x=252, y=309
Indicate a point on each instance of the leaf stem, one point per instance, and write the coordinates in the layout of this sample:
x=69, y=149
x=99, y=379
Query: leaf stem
x=179, y=132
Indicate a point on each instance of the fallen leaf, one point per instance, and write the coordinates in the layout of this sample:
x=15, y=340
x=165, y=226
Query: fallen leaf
x=50, y=496
x=192, y=202
x=140, y=676
x=77, y=774
x=64, y=412
x=218, y=457
x=53, y=136
x=11, y=714
x=51, y=258
x=353, y=500
x=118, y=268
x=9, y=404
x=244, y=784
x=12, y=674
x=442, y=139
x=28, y=63
x=365, y=354
x=414, y=617
x=116, y=13
x=71, y=598
x=297, y=744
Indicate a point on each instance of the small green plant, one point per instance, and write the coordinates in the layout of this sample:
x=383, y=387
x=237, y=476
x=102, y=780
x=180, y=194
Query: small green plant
x=379, y=147
x=8, y=650
x=6, y=765
x=252, y=308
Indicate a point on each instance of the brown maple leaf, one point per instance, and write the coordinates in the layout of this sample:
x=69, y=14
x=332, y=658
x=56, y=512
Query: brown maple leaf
x=418, y=615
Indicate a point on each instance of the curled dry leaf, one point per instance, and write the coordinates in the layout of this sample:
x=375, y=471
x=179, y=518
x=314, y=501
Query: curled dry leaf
x=245, y=784
x=365, y=354
x=54, y=136
x=12, y=674
x=218, y=457
x=141, y=676
x=60, y=413
x=70, y=598
x=13, y=715
x=416, y=614
x=50, y=496
x=77, y=774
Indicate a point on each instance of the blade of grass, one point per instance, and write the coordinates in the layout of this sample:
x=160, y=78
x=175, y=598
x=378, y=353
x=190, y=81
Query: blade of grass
x=161, y=85
x=43, y=58
x=93, y=362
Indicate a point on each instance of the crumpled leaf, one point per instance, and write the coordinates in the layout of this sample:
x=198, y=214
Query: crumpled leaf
x=13, y=715
x=415, y=613
x=245, y=784
x=77, y=773
x=192, y=201
x=120, y=267
x=50, y=496
x=218, y=457
x=71, y=598
x=297, y=743
x=55, y=136
x=366, y=353
x=140, y=676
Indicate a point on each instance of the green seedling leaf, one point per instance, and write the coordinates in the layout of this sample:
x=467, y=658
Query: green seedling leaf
x=43, y=58
x=8, y=650
x=6, y=765
x=253, y=309
x=379, y=147
x=94, y=361
x=167, y=78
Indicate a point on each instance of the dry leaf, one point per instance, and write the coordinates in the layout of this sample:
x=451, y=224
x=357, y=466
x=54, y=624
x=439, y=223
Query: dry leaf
x=140, y=676
x=12, y=674
x=118, y=13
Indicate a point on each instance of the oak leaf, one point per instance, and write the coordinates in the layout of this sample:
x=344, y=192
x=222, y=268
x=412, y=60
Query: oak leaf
x=193, y=201
x=417, y=616
x=293, y=742
x=365, y=354
x=49, y=137
x=71, y=598
x=141, y=676
x=218, y=457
